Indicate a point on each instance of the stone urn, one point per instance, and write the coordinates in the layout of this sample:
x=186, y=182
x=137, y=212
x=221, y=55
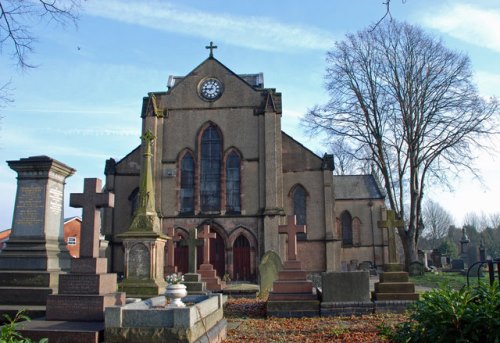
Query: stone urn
x=175, y=292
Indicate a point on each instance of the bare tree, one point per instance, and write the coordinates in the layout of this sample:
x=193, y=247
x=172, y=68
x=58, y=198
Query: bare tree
x=17, y=16
x=347, y=160
x=437, y=222
x=411, y=102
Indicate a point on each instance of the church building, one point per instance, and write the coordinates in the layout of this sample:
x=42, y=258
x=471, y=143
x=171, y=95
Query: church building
x=221, y=158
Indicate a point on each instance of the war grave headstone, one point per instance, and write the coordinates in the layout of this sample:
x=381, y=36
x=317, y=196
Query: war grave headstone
x=206, y=270
x=192, y=279
x=144, y=243
x=88, y=289
x=346, y=293
x=394, y=291
x=292, y=294
x=36, y=253
x=269, y=268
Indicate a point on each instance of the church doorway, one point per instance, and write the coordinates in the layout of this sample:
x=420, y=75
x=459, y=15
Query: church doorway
x=181, y=258
x=241, y=259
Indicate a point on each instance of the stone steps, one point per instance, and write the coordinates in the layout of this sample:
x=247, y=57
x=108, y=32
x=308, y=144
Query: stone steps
x=394, y=286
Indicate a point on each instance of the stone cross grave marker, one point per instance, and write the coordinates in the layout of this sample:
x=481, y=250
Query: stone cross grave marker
x=192, y=242
x=206, y=235
x=170, y=246
x=391, y=223
x=291, y=230
x=90, y=201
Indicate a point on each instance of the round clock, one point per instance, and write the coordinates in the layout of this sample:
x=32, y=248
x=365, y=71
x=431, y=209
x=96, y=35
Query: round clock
x=210, y=89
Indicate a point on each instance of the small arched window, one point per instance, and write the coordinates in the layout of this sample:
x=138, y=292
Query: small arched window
x=210, y=170
x=233, y=183
x=346, y=221
x=299, y=204
x=187, y=184
x=134, y=201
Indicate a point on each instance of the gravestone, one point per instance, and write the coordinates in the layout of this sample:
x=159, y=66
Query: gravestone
x=144, y=243
x=88, y=289
x=36, y=253
x=457, y=265
x=346, y=293
x=269, y=267
x=391, y=223
x=192, y=280
x=206, y=270
x=170, y=267
x=416, y=268
x=436, y=258
x=292, y=294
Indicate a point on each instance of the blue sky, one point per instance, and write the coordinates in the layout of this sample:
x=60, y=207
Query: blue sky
x=81, y=105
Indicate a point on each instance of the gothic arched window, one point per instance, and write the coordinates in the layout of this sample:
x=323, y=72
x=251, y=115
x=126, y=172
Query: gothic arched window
x=299, y=204
x=346, y=221
x=210, y=170
x=187, y=184
x=233, y=182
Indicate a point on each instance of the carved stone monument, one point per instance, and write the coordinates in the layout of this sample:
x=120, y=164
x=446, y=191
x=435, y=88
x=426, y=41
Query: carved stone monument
x=292, y=294
x=192, y=279
x=206, y=270
x=36, y=253
x=170, y=266
x=88, y=289
x=391, y=223
x=144, y=243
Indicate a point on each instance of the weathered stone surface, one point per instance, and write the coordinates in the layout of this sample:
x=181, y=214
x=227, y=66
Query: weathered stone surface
x=269, y=268
x=293, y=308
x=81, y=307
x=347, y=308
x=84, y=265
x=62, y=331
x=346, y=286
x=87, y=284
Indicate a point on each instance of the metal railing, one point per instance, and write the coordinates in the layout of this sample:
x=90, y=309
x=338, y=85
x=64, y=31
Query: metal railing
x=491, y=270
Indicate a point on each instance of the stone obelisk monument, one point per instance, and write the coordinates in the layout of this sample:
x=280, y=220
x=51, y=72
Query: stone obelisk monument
x=144, y=242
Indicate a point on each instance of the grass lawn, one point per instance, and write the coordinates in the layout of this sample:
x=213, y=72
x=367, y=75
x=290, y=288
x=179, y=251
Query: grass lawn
x=454, y=280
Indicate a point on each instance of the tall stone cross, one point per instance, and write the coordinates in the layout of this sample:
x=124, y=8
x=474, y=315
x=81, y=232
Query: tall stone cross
x=91, y=200
x=391, y=223
x=211, y=47
x=206, y=235
x=170, y=246
x=291, y=230
x=192, y=242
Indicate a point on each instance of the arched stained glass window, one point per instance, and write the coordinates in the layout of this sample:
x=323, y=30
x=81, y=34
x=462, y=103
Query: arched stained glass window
x=187, y=184
x=346, y=220
x=233, y=183
x=210, y=170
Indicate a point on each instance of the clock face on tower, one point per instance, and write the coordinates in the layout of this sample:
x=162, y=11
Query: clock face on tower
x=210, y=89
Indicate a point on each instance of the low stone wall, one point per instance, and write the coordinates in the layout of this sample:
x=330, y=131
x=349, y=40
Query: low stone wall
x=149, y=321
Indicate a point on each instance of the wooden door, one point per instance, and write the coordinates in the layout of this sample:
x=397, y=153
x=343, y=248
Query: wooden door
x=241, y=262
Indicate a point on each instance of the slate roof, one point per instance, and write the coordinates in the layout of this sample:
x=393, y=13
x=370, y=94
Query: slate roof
x=350, y=187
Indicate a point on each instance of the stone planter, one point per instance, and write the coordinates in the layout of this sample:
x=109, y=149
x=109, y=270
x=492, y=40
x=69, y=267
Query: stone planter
x=175, y=292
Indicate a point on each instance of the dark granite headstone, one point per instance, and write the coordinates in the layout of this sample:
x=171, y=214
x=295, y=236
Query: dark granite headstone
x=457, y=265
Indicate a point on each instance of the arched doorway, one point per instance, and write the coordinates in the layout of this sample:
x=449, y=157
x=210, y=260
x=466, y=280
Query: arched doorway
x=181, y=256
x=241, y=259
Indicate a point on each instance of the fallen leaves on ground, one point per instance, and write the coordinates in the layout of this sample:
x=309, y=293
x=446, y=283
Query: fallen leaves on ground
x=248, y=324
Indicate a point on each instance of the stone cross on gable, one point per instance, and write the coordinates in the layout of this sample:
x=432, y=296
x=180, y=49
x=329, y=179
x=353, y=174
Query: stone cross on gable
x=211, y=47
x=291, y=230
x=391, y=223
x=192, y=242
x=206, y=235
x=170, y=245
x=90, y=201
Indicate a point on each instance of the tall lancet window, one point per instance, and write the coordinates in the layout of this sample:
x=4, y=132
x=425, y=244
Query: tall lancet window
x=210, y=170
x=187, y=184
x=299, y=204
x=233, y=182
x=346, y=220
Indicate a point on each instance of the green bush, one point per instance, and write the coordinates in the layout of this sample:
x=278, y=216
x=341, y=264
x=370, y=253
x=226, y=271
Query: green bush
x=471, y=314
x=8, y=332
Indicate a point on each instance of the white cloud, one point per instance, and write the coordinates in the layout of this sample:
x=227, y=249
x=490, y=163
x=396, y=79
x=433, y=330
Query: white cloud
x=248, y=31
x=488, y=83
x=468, y=23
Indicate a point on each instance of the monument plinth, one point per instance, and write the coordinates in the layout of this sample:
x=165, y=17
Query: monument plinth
x=36, y=253
x=292, y=294
x=144, y=243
